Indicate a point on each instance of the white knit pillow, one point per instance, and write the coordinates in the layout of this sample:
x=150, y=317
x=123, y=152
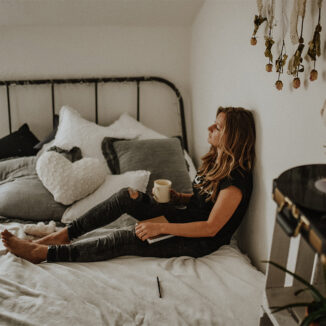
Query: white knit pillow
x=68, y=181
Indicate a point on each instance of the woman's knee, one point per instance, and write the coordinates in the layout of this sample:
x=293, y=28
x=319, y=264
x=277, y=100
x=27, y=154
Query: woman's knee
x=128, y=193
x=130, y=197
x=133, y=193
x=122, y=193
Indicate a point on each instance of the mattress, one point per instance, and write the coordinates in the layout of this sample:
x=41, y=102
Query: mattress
x=222, y=288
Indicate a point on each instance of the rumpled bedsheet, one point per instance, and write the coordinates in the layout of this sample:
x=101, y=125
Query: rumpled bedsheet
x=222, y=288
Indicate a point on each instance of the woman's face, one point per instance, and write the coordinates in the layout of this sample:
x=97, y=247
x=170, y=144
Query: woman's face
x=215, y=130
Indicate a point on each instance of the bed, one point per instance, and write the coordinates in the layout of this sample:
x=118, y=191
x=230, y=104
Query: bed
x=222, y=288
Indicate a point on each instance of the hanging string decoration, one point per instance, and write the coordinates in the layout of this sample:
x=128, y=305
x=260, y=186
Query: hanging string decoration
x=270, y=9
x=281, y=60
x=314, y=45
x=294, y=23
x=295, y=64
x=258, y=20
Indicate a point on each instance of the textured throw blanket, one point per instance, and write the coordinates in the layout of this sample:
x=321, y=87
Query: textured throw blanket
x=222, y=288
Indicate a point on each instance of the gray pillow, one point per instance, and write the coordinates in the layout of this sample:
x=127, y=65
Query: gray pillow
x=22, y=194
x=162, y=157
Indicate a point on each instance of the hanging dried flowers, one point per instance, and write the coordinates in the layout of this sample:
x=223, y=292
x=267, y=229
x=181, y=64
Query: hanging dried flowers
x=295, y=64
x=258, y=20
x=279, y=64
x=270, y=8
x=314, y=46
x=268, y=53
x=281, y=60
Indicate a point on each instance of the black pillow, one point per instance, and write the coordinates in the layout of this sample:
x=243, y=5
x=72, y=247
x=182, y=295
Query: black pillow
x=162, y=157
x=50, y=136
x=19, y=143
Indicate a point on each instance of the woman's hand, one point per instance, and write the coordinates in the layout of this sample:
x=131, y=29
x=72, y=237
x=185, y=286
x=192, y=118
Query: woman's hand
x=179, y=198
x=147, y=230
x=175, y=197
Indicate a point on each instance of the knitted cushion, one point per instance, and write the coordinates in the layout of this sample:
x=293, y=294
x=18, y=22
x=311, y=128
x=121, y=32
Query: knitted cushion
x=69, y=181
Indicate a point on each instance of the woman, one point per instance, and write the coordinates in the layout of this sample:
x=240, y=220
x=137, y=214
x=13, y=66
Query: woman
x=221, y=193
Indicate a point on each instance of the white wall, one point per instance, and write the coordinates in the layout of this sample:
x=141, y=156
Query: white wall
x=81, y=51
x=227, y=71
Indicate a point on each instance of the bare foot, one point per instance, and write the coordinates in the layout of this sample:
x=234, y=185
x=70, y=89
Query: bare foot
x=35, y=253
x=56, y=238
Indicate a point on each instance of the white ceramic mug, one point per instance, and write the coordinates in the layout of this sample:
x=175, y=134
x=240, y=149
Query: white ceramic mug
x=161, y=190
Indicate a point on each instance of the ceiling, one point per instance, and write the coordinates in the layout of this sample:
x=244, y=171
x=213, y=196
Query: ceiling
x=98, y=12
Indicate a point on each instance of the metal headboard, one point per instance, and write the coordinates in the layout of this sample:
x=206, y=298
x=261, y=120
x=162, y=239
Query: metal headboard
x=96, y=81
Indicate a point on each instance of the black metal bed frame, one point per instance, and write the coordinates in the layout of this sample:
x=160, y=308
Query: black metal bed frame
x=97, y=81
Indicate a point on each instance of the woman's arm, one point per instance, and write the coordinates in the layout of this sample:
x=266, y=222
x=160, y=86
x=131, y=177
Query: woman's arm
x=227, y=202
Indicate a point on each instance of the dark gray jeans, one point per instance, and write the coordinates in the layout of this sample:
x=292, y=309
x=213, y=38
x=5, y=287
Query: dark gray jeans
x=125, y=242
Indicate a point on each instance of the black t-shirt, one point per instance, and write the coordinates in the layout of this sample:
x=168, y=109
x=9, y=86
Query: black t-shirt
x=238, y=178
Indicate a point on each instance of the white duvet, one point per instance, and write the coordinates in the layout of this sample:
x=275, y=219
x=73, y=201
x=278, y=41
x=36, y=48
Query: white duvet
x=222, y=288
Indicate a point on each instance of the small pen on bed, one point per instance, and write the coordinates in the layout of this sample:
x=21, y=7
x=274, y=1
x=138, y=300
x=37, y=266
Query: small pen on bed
x=159, y=287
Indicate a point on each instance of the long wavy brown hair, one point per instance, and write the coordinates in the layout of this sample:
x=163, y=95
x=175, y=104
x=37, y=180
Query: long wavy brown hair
x=237, y=150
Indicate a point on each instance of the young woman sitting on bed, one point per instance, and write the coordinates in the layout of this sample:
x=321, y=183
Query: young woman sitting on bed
x=221, y=193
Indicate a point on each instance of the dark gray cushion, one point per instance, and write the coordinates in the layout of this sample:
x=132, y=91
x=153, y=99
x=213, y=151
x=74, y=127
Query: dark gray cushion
x=22, y=194
x=19, y=143
x=162, y=157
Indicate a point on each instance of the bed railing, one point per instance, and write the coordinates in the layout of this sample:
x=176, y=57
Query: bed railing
x=96, y=81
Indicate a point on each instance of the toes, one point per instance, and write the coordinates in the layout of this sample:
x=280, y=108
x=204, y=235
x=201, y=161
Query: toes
x=6, y=233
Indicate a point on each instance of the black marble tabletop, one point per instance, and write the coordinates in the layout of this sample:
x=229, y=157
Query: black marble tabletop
x=298, y=184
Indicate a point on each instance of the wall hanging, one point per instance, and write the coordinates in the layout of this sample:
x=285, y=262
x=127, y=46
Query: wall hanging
x=266, y=13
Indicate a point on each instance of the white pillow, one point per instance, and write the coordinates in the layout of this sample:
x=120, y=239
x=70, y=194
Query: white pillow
x=113, y=183
x=191, y=166
x=68, y=181
x=73, y=130
x=127, y=122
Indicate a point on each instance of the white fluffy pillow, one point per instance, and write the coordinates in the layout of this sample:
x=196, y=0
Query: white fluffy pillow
x=74, y=130
x=113, y=183
x=127, y=122
x=191, y=166
x=68, y=181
